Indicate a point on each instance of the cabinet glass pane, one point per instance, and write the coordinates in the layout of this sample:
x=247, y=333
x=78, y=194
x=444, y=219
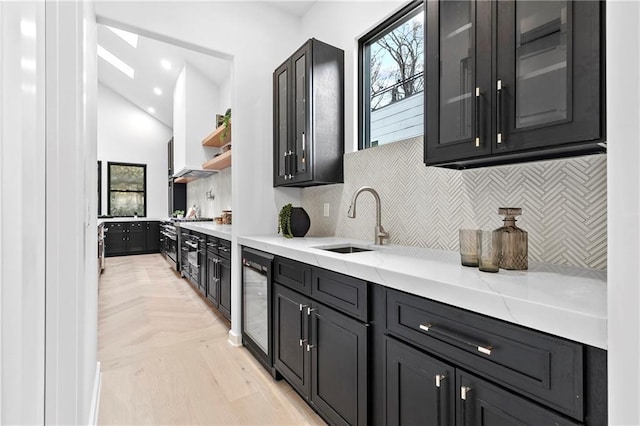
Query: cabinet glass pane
x=256, y=304
x=282, y=121
x=541, y=94
x=300, y=108
x=456, y=71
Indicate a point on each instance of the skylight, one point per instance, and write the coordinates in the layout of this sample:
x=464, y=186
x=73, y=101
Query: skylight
x=116, y=62
x=130, y=38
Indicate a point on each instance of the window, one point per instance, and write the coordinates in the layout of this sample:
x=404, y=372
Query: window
x=127, y=189
x=391, y=79
x=99, y=188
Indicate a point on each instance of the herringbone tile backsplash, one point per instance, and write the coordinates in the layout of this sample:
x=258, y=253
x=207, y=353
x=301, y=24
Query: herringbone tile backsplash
x=564, y=202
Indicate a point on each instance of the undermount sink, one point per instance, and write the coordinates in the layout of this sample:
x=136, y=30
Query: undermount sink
x=346, y=249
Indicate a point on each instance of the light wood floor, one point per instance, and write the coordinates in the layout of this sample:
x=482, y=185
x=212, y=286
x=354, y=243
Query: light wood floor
x=165, y=358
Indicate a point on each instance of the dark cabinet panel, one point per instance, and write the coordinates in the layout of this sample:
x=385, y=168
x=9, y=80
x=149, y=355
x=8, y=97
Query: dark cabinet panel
x=125, y=238
x=308, y=117
x=293, y=274
x=342, y=292
x=419, y=389
x=116, y=239
x=152, y=237
x=213, y=283
x=291, y=337
x=225, y=287
x=483, y=404
x=543, y=367
x=338, y=366
x=513, y=81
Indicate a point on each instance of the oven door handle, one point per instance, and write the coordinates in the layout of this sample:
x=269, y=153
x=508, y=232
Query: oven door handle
x=192, y=245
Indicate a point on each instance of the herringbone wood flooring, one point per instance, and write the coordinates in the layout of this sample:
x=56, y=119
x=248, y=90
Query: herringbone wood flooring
x=165, y=358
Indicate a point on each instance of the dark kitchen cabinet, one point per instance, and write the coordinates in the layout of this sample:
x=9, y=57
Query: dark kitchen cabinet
x=290, y=327
x=224, y=269
x=152, y=237
x=137, y=238
x=420, y=390
x=116, y=239
x=217, y=278
x=308, y=115
x=480, y=403
x=126, y=238
x=177, y=192
x=323, y=354
x=213, y=282
x=513, y=81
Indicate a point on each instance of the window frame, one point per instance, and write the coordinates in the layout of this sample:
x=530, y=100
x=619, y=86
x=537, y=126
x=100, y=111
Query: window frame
x=364, y=73
x=144, y=191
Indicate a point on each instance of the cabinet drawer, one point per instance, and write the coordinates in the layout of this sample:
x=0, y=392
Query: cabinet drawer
x=212, y=244
x=342, y=292
x=293, y=274
x=224, y=248
x=546, y=368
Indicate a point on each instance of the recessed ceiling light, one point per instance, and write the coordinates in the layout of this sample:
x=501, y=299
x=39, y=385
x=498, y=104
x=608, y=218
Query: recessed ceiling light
x=28, y=28
x=151, y=110
x=165, y=64
x=130, y=38
x=116, y=62
x=28, y=64
x=157, y=91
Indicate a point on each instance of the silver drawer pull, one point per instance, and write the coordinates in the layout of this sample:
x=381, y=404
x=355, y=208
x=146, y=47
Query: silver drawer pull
x=302, y=342
x=309, y=347
x=482, y=349
x=464, y=390
x=439, y=379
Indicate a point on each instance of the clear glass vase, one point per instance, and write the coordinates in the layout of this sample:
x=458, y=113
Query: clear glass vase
x=515, y=244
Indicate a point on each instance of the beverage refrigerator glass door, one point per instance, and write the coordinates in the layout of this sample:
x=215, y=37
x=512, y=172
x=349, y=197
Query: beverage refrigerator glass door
x=256, y=305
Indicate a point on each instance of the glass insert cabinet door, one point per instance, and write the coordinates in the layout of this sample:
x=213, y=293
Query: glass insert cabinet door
x=300, y=91
x=548, y=71
x=458, y=62
x=541, y=59
x=281, y=108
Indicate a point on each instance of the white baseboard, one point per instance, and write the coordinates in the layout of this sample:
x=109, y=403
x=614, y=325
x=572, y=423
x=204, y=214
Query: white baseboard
x=235, y=339
x=95, y=397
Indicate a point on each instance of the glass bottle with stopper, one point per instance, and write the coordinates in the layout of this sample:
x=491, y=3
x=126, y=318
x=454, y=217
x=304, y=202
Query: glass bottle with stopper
x=515, y=244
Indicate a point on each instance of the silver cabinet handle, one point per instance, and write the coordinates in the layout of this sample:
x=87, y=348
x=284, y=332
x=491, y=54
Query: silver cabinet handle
x=439, y=379
x=303, y=306
x=309, y=347
x=464, y=390
x=309, y=310
x=480, y=348
x=477, y=118
x=499, y=112
x=302, y=342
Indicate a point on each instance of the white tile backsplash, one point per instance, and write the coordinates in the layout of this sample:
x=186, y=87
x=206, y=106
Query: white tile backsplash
x=220, y=186
x=564, y=202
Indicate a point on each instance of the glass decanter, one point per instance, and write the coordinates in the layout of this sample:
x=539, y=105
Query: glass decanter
x=515, y=244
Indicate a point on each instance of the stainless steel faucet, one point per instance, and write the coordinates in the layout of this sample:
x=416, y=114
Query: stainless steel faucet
x=380, y=233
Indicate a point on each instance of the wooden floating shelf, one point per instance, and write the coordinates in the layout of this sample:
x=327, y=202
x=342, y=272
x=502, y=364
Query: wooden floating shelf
x=220, y=162
x=215, y=138
x=185, y=179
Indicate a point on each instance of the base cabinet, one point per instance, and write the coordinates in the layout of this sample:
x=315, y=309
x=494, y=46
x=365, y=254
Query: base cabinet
x=213, y=284
x=225, y=288
x=216, y=277
x=126, y=238
x=323, y=354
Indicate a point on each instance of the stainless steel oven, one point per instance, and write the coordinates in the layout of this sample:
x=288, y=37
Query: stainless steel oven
x=257, y=324
x=170, y=243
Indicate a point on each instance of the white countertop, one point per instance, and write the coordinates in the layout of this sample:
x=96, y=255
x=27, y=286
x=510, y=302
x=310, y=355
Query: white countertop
x=209, y=228
x=565, y=301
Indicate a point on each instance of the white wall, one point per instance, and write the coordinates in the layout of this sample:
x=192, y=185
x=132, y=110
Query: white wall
x=71, y=201
x=623, y=134
x=22, y=214
x=128, y=134
x=196, y=103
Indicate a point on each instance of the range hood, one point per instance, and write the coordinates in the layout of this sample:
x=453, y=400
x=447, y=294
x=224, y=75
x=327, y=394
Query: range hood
x=194, y=172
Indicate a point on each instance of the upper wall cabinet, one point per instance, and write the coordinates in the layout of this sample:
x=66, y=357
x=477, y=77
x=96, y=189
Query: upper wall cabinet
x=308, y=117
x=513, y=81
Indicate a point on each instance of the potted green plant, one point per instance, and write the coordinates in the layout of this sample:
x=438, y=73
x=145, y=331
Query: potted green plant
x=226, y=123
x=293, y=221
x=178, y=213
